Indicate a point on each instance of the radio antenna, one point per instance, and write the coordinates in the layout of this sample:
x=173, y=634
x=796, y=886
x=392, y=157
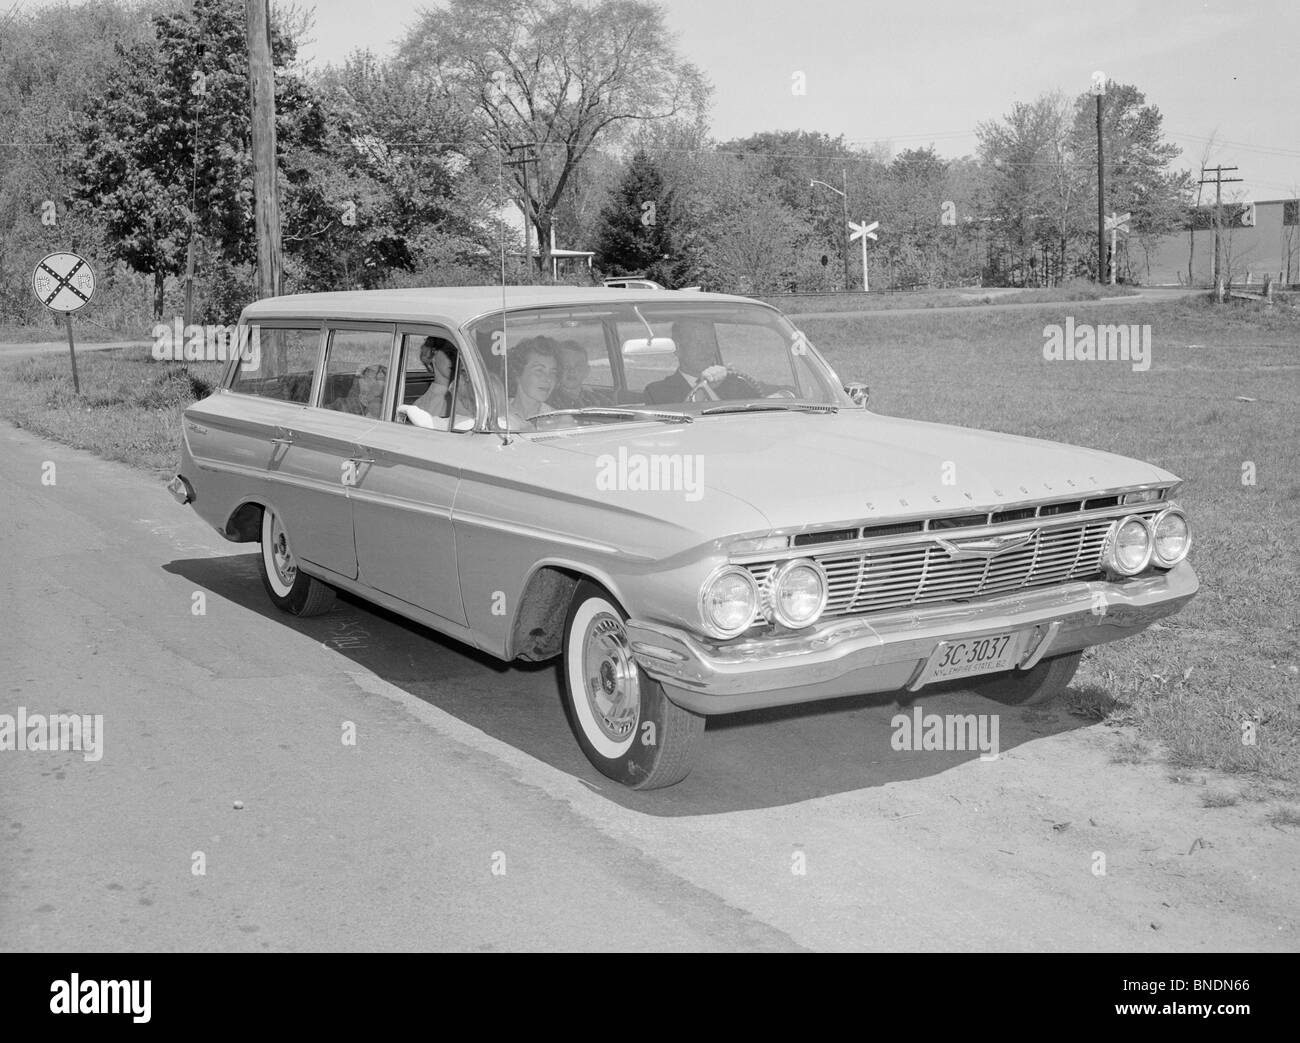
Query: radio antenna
x=505, y=342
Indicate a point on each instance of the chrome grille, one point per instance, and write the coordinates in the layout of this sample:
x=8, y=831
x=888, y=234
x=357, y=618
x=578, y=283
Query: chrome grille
x=922, y=573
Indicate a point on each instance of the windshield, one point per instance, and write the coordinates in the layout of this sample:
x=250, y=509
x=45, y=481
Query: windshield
x=666, y=360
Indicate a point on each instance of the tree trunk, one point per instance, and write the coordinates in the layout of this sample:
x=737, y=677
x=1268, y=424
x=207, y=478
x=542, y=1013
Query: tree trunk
x=158, y=279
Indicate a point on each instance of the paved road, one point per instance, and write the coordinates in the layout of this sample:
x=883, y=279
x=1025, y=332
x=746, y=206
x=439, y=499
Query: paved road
x=798, y=829
x=60, y=347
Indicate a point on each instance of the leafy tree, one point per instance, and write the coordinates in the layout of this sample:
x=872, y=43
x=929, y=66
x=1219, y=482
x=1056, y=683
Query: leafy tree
x=756, y=243
x=549, y=80
x=166, y=147
x=637, y=234
x=394, y=187
x=793, y=159
x=1034, y=194
x=53, y=61
x=1137, y=159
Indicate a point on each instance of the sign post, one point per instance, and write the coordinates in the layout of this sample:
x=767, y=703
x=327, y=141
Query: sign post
x=64, y=282
x=1115, y=224
x=864, y=232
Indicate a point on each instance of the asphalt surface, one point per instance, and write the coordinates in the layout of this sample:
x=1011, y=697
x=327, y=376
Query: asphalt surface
x=464, y=816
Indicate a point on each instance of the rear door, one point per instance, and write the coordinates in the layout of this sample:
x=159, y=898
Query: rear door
x=401, y=504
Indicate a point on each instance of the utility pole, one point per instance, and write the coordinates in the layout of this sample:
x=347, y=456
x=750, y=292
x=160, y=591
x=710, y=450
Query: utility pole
x=844, y=199
x=266, y=198
x=528, y=235
x=1218, y=181
x=1099, y=89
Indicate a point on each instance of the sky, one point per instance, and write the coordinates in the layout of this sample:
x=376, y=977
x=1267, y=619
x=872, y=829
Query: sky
x=926, y=72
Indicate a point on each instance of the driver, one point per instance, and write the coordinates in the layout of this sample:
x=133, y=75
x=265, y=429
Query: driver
x=696, y=352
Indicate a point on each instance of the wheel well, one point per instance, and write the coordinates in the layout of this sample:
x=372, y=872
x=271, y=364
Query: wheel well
x=538, y=630
x=245, y=525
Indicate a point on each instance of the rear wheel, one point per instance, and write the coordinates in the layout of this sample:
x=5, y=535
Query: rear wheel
x=625, y=724
x=1035, y=685
x=291, y=589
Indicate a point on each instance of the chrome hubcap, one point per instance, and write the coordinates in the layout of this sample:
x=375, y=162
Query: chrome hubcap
x=281, y=557
x=612, y=683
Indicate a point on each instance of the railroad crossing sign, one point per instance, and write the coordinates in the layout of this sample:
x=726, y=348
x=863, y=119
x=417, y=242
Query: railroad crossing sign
x=63, y=282
x=1114, y=224
x=1118, y=223
x=864, y=232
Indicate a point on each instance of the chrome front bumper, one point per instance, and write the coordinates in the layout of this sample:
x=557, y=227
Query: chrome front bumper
x=888, y=652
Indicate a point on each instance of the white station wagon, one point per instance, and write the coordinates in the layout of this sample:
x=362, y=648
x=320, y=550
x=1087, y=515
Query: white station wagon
x=673, y=492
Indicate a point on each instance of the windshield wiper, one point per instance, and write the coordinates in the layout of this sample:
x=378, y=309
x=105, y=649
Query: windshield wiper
x=665, y=415
x=769, y=406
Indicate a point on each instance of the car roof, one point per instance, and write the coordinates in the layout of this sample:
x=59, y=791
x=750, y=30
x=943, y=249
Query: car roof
x=453, y=305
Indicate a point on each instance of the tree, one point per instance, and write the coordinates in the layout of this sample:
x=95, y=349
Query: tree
x=793, y=159
x=1137, y=159
x=756, y=243
x=1033, y=194
x=166, y=147
x=549, y=80
x=394, y=186
x=53, y=61
x=637, y=234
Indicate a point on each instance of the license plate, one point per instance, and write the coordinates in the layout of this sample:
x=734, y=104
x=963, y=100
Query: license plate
x=987, y=654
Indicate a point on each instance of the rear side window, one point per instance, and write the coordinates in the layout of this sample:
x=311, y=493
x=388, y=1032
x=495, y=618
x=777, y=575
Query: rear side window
x=278, y=363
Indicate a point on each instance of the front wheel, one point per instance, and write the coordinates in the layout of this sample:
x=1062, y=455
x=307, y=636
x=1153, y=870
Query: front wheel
x=1032, y=686
x=291, y=589
x=624, y=722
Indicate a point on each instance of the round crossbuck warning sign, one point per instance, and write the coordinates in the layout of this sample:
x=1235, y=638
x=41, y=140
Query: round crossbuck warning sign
x=63, y=282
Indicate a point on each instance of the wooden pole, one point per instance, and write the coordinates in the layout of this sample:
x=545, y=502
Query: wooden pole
x=72, y=350
x=266, y=205
x=1101, y=202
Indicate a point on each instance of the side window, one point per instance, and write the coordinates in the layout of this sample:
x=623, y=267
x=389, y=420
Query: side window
x=281, y=365
x=435, y=390
x=356, y=371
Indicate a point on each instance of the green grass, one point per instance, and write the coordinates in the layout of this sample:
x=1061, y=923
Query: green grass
x=962, y=297
x=1189, y=682
x=130, y=408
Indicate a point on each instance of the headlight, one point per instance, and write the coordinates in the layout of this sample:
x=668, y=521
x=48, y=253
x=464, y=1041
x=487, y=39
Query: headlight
x=1128, y=550
x=1172, y=539
x=796, y=593
x=728, y=600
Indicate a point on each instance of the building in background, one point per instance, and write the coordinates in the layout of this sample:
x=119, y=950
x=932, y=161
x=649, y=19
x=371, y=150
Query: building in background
x=1257, y=239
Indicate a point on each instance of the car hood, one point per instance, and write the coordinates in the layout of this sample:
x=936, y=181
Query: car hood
x=812, y=470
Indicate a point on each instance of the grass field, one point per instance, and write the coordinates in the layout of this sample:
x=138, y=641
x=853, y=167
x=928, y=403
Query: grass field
x=1219, y=401
x=954, y=298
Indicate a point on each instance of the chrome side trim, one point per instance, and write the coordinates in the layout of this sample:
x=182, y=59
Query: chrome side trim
x=545, y=535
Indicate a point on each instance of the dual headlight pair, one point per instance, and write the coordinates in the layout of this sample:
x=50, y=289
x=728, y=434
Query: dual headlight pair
x=793, y=595
x=794, y=592
x=1134, y=542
